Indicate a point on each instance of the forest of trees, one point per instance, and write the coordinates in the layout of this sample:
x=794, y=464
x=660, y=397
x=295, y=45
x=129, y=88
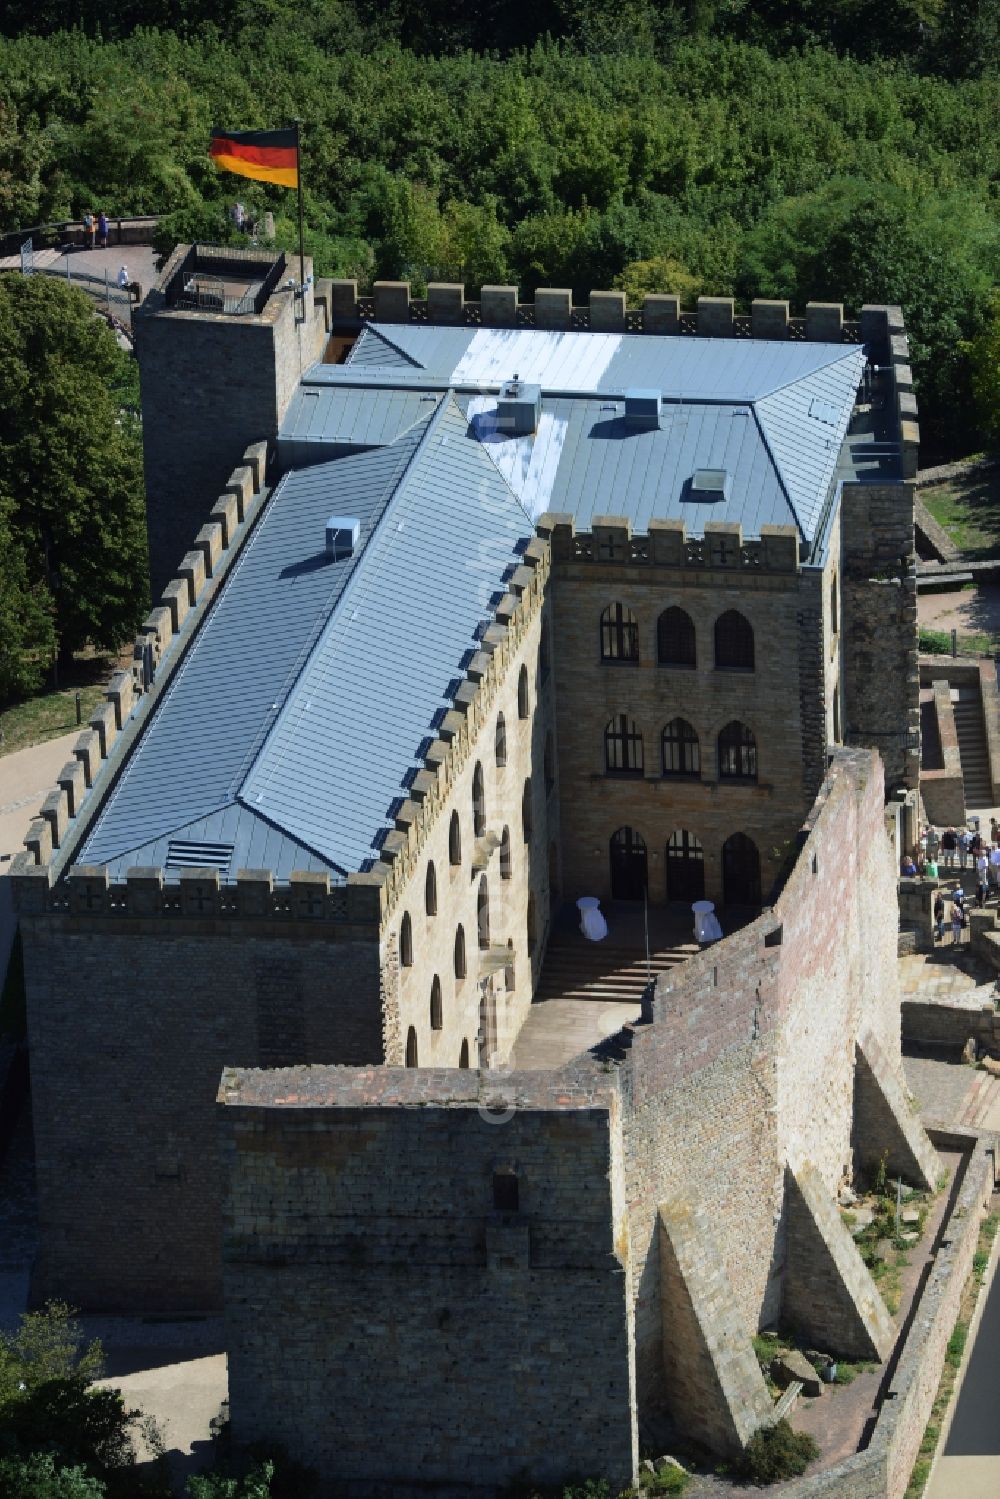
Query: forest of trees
x=839, y=150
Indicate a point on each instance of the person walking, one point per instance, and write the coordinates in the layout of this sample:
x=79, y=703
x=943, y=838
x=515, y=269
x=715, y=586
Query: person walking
x=102, y=229
x=983, y=869
x=89, y=228
x=957, y=921
x=123, y=278
x=964, y=839
x=949, y=847
x=938, y=917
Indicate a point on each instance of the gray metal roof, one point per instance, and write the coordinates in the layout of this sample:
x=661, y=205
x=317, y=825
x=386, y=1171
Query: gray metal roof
x=302, y=702
x=316, y=428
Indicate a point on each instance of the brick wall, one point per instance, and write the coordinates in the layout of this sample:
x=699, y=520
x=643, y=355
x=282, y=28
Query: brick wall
x=130, y=1028
x=385, y=1320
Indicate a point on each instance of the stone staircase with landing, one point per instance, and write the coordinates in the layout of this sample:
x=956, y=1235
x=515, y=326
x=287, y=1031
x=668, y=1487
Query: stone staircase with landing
x=972, y=748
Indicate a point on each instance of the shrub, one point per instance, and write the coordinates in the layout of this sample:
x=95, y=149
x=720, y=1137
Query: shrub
x=777, y=1452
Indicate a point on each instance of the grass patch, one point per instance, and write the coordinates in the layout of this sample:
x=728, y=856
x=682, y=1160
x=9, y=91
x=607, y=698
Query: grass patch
x=938, y=643
x=953, y=1358
x=969, y=511
x=777, y=1452
x=46, y=716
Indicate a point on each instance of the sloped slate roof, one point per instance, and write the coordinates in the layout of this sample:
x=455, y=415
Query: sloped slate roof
x=774, y=414
x=303, y=699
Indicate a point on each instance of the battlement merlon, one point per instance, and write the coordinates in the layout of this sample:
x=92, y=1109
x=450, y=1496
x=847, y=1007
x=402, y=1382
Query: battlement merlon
x=667, y=544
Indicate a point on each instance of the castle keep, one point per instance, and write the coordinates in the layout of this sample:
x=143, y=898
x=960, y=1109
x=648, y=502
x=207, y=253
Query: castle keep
x=469, y=610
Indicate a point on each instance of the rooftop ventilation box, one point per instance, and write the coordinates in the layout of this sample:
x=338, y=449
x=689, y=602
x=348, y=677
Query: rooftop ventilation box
x=342, y=532
x=642, y=410
x=519, y=407
x=709, y=484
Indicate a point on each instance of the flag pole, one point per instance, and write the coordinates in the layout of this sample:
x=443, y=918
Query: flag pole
x=302, y=231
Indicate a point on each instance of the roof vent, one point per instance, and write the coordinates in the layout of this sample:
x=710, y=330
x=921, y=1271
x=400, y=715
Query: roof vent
x=184, y=855
x=709, y=484
x=642, y=410
x=342, y=532
x=519, y=407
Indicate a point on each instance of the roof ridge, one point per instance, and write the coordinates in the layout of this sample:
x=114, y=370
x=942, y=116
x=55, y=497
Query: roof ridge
x=377, y=333
x=765, y=439
x=316, y=635
x=264, y=731
x=848, y=350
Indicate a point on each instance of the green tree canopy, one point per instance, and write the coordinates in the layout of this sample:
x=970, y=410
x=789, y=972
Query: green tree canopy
x=70, y=472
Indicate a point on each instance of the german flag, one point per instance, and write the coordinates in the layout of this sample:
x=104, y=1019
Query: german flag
x=266, y=155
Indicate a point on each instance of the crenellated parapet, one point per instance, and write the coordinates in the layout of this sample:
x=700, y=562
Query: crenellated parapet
x=667, y=544
x=130, y=695
x=604, y=312
x=427, y=793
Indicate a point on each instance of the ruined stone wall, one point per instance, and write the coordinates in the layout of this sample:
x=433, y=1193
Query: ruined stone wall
x=783, y=700
x=749, y=1060
x=878, y=587
x=131, y=1022
x=391, y=1325
x=211, y=383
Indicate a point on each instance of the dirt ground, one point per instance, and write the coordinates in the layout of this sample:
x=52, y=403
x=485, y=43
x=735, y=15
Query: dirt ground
x=970, y=611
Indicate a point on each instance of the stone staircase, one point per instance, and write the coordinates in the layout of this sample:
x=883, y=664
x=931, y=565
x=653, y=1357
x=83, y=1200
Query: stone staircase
x=972, y=748
x=981, y=1106
x=606, y=971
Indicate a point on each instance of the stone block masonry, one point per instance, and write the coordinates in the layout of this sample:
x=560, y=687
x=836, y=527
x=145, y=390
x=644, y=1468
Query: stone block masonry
x=392, y=1287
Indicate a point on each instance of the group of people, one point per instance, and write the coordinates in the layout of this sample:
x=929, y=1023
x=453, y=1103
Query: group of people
x=956, y=848
x=95, y=229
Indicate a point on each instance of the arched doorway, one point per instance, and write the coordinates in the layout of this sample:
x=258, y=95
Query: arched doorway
x=628, y=865
x=740, y=871
x=685, y=867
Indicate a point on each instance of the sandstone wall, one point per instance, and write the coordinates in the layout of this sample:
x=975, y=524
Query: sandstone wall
x=784, y=701
x=878, y=588
x=389, y=1323
x=130, y=1028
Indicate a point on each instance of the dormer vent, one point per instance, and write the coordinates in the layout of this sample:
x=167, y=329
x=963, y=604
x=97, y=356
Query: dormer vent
x=342, y=532
x=710, y=484
x=519, y=407
x=642, y=410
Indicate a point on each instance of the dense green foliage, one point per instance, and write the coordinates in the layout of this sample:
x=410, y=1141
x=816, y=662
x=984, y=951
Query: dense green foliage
x=652, y=146
x=60, y=1437
x=72, y=528
x=777, y=1452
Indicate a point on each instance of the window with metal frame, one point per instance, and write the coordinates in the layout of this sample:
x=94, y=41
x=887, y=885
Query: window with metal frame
x=619, y=634
x=680, y=749
x=675, y=638
x=734, y=647
x=737, y=753
x=623, y=746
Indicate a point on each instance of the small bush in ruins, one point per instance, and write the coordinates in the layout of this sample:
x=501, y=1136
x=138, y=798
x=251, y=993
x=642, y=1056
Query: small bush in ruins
x=778, y=1452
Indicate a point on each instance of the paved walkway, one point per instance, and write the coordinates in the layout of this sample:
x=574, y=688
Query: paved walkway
x=26, y=777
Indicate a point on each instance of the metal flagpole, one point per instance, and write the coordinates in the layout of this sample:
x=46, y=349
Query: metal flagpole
x=302, y=231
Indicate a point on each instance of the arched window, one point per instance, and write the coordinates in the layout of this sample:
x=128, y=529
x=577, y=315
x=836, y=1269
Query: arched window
x=411, y=1047
x=628, y=865
x=548, y=761
x=454, y=840
x=526, y=809
x=543, y=654
x=733, y=642
x=619, y=634
x=531, y=925
x=505, y=868
x=737, y=753
x=463, y=1056
x=437, y=1009
x=460, y=953
x=406, y=941
x=483, y=912
x=680, y=749
x=675, y=640
x=685, y=867
x=431, y=891
x=622, y=746
x=500, y=741
x=834, y=622
x=522, y=693
x=478, y=801
x=740, y=871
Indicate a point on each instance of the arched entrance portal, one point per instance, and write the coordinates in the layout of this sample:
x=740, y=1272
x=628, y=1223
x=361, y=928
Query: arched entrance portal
x=740, y=871
x=685, y=867
x=628, y=865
